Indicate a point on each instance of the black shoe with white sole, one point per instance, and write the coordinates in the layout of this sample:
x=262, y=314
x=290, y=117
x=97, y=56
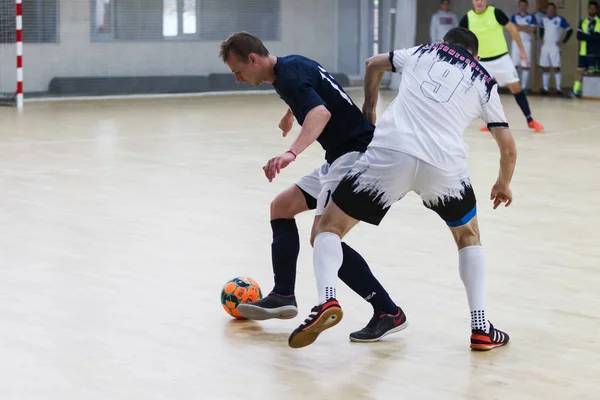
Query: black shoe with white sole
x=379, y=326
x=272, y=306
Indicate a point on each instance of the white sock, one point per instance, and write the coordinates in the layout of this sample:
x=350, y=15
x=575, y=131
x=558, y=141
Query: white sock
x=327, y=260
x=525, y=78
x=471, y=266
x=546, y=79
x=557, y=78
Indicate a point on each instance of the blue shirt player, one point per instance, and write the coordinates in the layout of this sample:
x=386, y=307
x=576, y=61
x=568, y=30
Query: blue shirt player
x=327, y=115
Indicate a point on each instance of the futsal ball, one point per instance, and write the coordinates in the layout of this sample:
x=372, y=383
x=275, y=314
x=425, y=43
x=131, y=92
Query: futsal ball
x=237, y=291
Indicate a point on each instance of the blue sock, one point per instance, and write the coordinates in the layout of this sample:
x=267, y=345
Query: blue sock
x=284, y=255
x=355, y=273
x=524, y=104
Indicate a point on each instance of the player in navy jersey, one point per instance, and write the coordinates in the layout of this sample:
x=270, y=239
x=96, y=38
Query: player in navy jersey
x=327, y=115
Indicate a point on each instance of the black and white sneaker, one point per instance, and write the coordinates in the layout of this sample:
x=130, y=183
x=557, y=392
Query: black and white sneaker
x=272, y=306
x=379, y=326
x=482, y=341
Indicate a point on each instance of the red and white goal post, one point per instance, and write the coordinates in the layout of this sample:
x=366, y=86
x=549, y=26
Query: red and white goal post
x=11, y=41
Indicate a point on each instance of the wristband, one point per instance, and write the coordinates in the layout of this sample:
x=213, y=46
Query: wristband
x=292, y=153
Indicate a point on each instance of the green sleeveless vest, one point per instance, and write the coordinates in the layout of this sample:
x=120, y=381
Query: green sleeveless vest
x=489, y=32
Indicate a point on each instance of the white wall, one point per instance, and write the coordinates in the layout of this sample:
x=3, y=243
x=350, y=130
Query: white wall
x=308, y=27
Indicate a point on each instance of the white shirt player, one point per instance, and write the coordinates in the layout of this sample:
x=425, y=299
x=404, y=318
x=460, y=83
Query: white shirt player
x=524, y=20
x=539, y=17
x=554, y=28
x=443, y=90
x=441, y=23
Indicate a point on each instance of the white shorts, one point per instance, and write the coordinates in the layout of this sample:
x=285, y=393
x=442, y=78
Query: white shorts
x=515, y=54
x=321, y=183
x=550, y=56
x=502, y=70
x=382, y=176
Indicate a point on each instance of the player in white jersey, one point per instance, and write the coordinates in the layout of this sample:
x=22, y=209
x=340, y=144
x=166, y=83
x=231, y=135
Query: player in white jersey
x=526, y=25
x=418, y=146
x=541, y=12
x=551, y=33
x=539, y=15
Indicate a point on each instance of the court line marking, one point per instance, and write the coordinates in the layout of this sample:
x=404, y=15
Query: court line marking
x=231, y=131
x=161, y=96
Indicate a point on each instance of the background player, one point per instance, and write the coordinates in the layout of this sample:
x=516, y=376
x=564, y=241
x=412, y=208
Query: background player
x=526, y=25
x=589, y=45
x=442, y=21
x=541, y=12
x=327, y=115
x=551, y=33
x=486, y=23
x=418, y=146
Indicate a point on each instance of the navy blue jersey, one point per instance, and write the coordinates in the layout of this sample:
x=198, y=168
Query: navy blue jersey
x=303, y=84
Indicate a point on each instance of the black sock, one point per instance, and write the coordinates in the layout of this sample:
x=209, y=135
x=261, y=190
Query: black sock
x=284, y=254
x=524, y=104
x=355, y=273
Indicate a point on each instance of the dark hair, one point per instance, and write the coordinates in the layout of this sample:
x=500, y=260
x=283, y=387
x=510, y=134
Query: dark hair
x=523, y=1
x=593, y=3
x=444, y=1
x=551, y=4
x=464, y=38
x=242, y=44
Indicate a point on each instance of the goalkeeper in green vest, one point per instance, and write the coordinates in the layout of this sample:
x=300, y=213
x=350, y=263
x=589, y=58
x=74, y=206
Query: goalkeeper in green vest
x=589, y=46
x=488, y=23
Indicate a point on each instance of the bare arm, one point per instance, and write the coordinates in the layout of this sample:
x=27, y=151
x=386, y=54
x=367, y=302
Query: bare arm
x=508, y=154
x=501, y=192
x=376, y=66
x=287, y=122
x=313, y=125
x=525, y=28
x=514, y=33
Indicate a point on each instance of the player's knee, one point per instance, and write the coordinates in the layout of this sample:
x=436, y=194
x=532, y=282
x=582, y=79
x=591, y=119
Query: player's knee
x=467, y=235
x=514, y=87
x=331, y=225
x=283, y=206
x=469, y=239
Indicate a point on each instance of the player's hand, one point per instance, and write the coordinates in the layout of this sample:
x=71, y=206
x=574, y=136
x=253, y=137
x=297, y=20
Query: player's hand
x=501, y=193
x=370, y=114
x=276, y=164
x=286, y=124
x=559, y=43
x=524, y=57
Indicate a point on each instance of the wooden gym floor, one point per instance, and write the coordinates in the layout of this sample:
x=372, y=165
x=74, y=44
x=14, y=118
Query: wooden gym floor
x=122, y=219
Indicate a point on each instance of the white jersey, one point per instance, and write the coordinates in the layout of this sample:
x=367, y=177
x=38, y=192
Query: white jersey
x=539, y=17
x=524, y=20
x=441, y=23
x=554, y=28
x=443, y=89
